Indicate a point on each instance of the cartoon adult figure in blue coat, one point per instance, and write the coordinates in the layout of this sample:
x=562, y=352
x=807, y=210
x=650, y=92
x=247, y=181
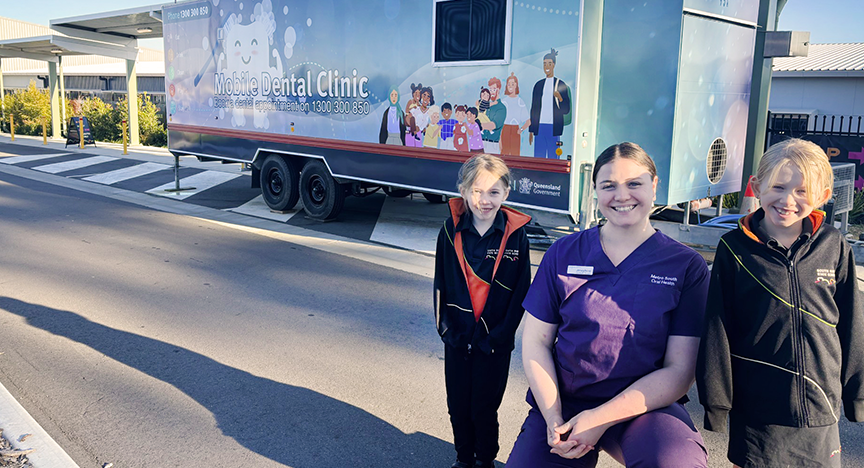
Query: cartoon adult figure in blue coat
x=549, y=105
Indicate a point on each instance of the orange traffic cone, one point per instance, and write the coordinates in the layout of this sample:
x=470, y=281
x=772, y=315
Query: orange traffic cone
x=750, y=203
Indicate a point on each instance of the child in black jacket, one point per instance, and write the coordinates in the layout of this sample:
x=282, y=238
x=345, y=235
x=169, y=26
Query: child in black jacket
x=784, y=337
x=482, y=273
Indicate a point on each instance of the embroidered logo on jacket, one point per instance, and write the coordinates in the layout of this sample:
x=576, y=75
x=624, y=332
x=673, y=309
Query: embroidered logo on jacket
x=825, y=276
x=509, y=254
x=665, y=280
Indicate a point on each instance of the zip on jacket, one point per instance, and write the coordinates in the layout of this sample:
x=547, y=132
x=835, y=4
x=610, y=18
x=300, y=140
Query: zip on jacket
x=469, y=311
x=780, y=328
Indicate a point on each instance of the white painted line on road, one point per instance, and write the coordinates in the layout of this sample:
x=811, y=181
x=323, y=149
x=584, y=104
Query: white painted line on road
x=201, y=181
x=127, y=173
x=11, y=159
x=57, y=168
x=18, y=422
x=258, y=208
x=410, y=223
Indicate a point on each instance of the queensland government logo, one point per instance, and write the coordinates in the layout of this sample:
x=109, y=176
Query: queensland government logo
x=525, y=185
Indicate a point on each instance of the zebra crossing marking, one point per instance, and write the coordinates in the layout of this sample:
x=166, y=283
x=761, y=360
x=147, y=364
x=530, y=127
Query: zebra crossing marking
x=57, y=168
x=201, y=181
x=28, y=157
x=127, y=173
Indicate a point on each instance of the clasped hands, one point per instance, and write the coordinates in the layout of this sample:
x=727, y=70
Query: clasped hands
x=576, y=437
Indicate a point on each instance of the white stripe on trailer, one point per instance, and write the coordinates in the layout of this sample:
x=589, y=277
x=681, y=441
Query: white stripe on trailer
x=72, y=165
x=27, y=158
x=127, y=173
x=201, y=181
x=258, y=208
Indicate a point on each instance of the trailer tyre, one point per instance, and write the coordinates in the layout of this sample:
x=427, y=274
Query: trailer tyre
x=322, y=196
x=435, y=198
x=396, y=193
x=279, y=182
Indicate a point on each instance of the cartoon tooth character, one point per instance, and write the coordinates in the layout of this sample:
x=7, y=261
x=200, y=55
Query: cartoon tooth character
x=247, y=50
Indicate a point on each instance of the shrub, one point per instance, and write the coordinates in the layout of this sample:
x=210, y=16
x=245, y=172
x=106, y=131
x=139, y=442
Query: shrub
x=30, y=108
x=104, y=119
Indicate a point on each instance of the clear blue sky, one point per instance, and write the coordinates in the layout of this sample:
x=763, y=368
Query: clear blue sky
x=827, y=20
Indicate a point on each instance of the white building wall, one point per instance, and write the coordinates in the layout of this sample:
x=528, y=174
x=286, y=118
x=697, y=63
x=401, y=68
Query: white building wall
x=828, y=96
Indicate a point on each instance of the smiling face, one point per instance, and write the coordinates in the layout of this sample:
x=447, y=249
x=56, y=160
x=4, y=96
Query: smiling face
x=460, y=116
x=625, y=192
x=494, y=88
x=247, y=47
x=394, y=97
x=446, y=113
x=511, y=86
x=549, y=68
x=425, y=98
x=485, y=196
x=786, y=202
x=484, y=95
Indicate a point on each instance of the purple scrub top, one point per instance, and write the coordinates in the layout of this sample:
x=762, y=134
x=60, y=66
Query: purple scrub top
x=613, y=322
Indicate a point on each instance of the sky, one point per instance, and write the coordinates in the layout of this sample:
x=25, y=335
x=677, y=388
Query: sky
x=829, y=21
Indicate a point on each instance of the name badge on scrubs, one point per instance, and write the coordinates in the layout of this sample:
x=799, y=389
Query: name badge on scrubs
x=580, y=270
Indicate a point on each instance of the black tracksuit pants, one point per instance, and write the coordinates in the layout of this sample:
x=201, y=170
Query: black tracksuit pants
x=475, y=387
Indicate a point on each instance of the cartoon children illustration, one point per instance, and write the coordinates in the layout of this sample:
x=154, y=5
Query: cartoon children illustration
x=475, y=139
x=483, y=105
x=550, y=102
x=517, y=118
x=412, y=136
x=421, y=112
x=430, y=138
x=460, y=131
x=447, y=126
x=497, y=114
x=393, y=123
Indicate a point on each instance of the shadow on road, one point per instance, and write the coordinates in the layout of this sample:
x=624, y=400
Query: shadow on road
x=291, y=425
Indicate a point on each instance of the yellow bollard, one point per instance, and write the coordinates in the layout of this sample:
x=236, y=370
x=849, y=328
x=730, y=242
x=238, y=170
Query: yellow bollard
x=44, y=133
x=12, y=126
x=125, y=144
x=81, y=132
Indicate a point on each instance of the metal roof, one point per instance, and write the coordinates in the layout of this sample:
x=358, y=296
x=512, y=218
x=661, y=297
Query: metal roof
x=134, y=23
x=824, y=60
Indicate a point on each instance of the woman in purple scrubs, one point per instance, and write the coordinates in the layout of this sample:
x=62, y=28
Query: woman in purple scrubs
x=611, y=335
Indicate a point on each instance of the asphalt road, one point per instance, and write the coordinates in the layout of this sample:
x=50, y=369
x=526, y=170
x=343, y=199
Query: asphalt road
x=149, y=339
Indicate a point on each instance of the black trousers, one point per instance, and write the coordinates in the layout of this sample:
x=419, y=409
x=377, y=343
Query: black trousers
x=475, y=387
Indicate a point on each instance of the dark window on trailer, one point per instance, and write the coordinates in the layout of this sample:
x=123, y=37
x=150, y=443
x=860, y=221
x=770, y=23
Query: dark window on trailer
x=471, y=31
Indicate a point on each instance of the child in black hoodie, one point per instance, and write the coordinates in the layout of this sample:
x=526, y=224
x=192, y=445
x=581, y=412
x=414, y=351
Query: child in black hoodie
x=784, y=337
x=482, y=273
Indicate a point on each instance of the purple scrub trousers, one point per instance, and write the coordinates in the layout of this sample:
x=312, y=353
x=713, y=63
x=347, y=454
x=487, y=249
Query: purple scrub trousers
x=662, y=438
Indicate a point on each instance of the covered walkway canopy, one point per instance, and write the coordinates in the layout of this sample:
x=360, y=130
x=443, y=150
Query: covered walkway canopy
x=111, y=34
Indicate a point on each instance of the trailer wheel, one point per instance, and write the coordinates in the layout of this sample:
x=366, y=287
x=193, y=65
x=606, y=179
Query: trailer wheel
x=279, y=181
x=396, y=193
x=322, y=196
x=435, y=198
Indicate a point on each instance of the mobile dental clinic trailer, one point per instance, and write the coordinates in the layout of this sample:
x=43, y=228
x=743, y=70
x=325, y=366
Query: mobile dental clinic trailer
x=332, y=98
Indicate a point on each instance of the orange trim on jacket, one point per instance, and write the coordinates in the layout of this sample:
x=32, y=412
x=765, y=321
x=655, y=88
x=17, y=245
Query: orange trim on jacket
x=477, y=288
x=816, y=217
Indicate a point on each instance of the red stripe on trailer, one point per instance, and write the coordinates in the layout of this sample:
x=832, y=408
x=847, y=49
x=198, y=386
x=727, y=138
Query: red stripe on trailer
x=515, y=162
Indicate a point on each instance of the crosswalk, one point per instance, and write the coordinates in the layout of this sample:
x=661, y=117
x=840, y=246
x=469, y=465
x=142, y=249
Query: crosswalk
x=65, y=166
x=410, y=223
x=12, y=159
x=196, y=183
x=119, y=175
